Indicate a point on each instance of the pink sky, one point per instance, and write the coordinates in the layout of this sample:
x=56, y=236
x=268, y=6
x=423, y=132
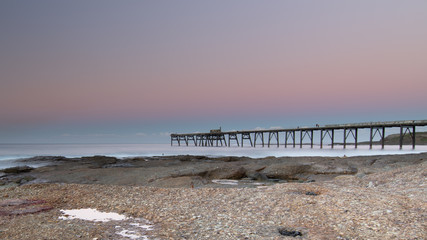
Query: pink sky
x=166, y=63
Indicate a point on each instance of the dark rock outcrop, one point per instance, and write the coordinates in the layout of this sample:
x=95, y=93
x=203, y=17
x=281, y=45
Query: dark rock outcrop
x=18, y=169
x=99, y=161
x=225, y=173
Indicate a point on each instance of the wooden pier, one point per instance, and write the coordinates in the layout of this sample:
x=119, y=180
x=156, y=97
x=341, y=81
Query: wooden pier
x=270, y=137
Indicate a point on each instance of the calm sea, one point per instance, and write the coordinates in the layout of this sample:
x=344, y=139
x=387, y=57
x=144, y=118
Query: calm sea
x=9, y=153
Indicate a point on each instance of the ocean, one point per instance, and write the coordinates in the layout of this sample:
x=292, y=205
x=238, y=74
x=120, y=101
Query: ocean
x=10, y=153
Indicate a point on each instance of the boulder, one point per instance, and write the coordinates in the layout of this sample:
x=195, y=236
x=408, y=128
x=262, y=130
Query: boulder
x=285, y=171
x=332, y=169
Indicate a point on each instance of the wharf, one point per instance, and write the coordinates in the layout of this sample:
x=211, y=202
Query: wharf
x=217, y=137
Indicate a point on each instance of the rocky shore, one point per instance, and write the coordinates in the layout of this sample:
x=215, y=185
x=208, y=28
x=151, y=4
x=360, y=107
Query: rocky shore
x=197, y=197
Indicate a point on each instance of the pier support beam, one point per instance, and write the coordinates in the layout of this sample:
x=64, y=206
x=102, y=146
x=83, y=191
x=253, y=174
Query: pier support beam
x=203, y=140
x=174, y=138
x=289, y=134
x=199, y=140
x=220, y=138
x=259, y=135
x=273, y=135
x=403, y=131
x=182, y=138
x=308, y=133
x=381, y=133
x=347, y=132
x=246, y=136
x=324, y=133
x=191, y=137
x=233, y=136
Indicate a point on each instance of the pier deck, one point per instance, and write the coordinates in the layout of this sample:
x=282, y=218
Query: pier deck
x=288, y=135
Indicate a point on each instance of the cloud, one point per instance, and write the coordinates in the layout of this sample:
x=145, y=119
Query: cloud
x=165, y=134
x=102, y=135
x=141, y=134
x=162, y=134
x=90, y=135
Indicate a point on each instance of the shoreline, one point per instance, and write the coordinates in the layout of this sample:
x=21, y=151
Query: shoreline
x=197, y=170
x=123, y=151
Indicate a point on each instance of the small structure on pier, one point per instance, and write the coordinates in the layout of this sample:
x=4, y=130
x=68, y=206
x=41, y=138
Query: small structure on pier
x=217, y=137
x=215, y=130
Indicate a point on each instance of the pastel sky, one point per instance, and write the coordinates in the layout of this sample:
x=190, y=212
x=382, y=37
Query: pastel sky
x=135, y=71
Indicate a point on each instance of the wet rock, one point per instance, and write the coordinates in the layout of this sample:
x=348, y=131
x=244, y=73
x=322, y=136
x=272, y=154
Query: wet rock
x=45, y=158
x=311, y=194
x=230, y=159
x=186, y=158
x=23, y=180
x=225, y=173
x=100, y=161
x=18, y=169
x=12, y=207
x=289, y=232
x=254, y=175
x=119, y=165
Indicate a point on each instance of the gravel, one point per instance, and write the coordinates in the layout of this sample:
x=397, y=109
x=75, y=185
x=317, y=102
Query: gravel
x=385, y=205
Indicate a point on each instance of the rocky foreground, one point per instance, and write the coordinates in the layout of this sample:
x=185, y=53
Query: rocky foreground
x=375, y=197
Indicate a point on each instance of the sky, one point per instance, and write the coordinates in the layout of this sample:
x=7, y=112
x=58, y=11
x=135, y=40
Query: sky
x=130, y=71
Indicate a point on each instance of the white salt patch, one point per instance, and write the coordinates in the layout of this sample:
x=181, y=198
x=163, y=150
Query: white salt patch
x=134, y=230
x=258, y=184
x=91, y=215
x=145, y=227
x=131, y=234
x=225, y=181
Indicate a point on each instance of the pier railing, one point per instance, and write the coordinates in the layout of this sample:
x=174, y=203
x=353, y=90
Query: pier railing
x=288, y=135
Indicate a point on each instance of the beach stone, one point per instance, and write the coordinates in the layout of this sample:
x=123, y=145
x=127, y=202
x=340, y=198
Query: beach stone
x=289, y=232
x=311, y=194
